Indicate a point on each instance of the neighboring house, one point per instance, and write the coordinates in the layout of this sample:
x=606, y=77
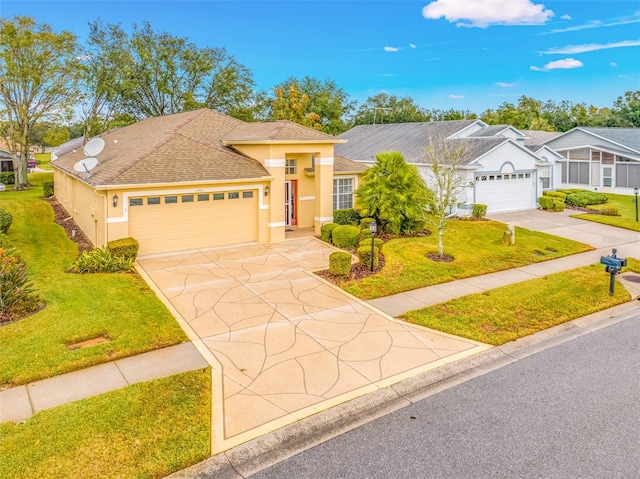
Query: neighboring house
x=6, y=163
x=603, y=159
x=201, y=179
x=498, y=169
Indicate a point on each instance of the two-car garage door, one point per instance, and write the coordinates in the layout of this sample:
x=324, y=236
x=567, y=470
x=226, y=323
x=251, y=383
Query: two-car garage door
x=180, y=222
x=506, y=192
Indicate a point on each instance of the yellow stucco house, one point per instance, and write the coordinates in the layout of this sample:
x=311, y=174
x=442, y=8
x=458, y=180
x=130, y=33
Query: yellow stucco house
x=202, y=179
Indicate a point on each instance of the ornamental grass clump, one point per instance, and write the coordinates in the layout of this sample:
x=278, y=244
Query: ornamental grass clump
x=17, y=296
x=101, y=260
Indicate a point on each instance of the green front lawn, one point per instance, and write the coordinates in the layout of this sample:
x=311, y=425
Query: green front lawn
x=514, y=311
x=120, y=307
x=626, y=206
x=477, y=249
x=145, y=430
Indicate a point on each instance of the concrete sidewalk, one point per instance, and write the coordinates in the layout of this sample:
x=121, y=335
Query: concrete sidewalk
x=21, y=402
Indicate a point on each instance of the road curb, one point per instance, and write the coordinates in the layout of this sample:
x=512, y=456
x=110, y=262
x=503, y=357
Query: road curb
x=260, y=453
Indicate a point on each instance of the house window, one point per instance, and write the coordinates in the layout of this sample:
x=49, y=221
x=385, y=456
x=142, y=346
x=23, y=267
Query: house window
x=578, y=172
x=342, y=193
x=218, y=196
x=290, y=167
x=545, y=173
x=627, y=175
x=170, y=199
x=135, y=202
x=203, y=197
x=607, y=158
x=247, y=194
x=233, y=196
x=187, y=199
x=155, y=200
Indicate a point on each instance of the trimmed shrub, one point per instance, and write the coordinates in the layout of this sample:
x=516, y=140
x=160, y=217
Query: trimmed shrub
x=325, y=231
x=5, y=220
x=555, y=194
x=364, y=256
x=47, y=189
x=585, y=198
x=347, y=216
x=124, y=247
x=4, y=241
x=377, y=243
x=479, y=210
x=345, y=236
x=609, y=211
x=100, y=260
x=549, y=203
x=340, y=263
x=8, y=177
x=365, y=222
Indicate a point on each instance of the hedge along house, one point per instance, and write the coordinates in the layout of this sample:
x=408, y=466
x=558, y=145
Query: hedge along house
x=600, y=159
x=201, y=179
x=496, y=167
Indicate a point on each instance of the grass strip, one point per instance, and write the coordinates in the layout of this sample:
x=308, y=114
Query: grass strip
x=145, y=430
x=514, y=311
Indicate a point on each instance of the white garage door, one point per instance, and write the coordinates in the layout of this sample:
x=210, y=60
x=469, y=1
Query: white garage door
x=506, y=192
x=167, y=223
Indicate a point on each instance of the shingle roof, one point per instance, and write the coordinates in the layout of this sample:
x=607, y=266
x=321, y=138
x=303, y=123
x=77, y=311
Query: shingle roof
x=492, y=130
x=629, y=137
x=182, y=147
x=274, y=131
x=536, y=137
x=410, y=139
x=344, y=165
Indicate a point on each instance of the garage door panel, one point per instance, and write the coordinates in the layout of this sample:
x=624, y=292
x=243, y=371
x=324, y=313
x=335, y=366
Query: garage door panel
x=200, y=224
x=506, y=195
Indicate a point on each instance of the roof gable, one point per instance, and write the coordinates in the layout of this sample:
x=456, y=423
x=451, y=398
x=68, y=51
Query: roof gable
x=284, y=131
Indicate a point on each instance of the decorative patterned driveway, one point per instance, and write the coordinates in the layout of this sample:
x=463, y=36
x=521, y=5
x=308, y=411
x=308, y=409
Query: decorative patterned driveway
x=286, y=343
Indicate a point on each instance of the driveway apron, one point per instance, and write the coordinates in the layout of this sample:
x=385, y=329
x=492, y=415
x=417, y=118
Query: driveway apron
x=284, y=343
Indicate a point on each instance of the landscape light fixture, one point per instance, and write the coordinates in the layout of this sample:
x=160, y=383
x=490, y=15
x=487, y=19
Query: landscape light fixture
x=635, y=192
x=115, y=200
x=372, y=227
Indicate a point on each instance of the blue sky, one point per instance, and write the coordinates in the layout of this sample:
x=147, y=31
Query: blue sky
x=461, y=54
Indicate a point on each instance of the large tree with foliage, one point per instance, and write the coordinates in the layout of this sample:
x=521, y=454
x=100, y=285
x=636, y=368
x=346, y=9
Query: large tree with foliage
x=627, y=109
x=164, y=74
x=393, y=193
x=38, y=75
x=312, y=102
x=385, y=108
x=445, y=183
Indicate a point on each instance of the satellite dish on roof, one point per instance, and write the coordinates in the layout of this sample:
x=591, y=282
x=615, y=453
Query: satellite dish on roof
x=94, y=147
x=86, y=165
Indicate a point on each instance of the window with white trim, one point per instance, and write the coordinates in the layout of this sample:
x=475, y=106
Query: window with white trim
x=290, y=167
x=342, y=193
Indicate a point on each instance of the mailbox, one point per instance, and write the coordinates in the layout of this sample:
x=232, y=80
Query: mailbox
x=613, y=264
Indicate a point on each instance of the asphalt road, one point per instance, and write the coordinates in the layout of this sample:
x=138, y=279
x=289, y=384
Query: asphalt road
x=571, y=411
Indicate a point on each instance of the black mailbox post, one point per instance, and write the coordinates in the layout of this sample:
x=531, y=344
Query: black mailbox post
x=613, y=265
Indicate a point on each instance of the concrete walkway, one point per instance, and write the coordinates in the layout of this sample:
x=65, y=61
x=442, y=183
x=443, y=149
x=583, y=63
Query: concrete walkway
x=283, y=343
x=21, y=402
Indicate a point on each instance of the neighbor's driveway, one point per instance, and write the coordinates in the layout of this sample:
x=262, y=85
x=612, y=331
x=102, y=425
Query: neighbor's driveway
x=287, y=343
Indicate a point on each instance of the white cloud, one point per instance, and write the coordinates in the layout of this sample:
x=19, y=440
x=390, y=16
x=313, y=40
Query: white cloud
x=482, y=13
x=589, y=47
x=411, y=45
x=613, y=64
x=596, y=24
x=391, y=49
x=456, y=97
x=83, y=58
x=504, y=85
x=566, y=64
x=566, y=17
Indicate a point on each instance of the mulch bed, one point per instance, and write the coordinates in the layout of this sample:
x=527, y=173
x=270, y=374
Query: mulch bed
x=73, y=231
